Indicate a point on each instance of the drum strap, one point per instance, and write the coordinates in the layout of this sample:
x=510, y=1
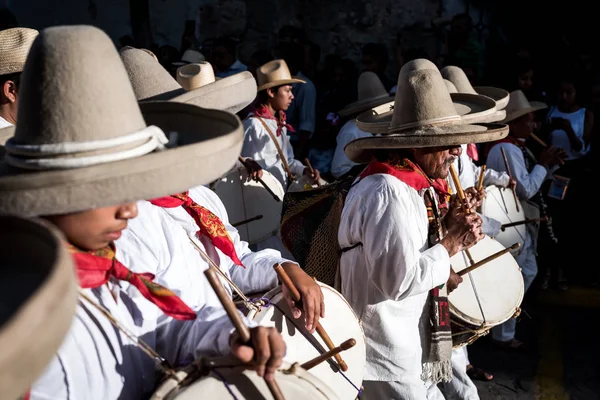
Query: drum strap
x=281, y=155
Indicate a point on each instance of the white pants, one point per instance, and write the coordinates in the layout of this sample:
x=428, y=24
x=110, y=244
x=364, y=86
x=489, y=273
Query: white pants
x=408, y=389
x=461, y=387
x=529, y=269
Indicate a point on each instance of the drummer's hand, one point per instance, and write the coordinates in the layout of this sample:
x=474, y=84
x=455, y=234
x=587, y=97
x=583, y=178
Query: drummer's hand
x=464, y=230
x=474, y=197
x=312, y=297
x=316, y=176
x=266, y=350
x=512, y=184
x=453, y=281
x=255, y=171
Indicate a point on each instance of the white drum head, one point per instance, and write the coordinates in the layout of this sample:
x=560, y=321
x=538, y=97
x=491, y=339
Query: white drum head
x=245, y=199
x=340, y=323
x=500, y=205
x=304, y=183
x=499, y=285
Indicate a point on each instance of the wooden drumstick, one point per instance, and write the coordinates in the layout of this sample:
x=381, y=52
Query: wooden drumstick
x=348, y=344
x=247, y=221
x=237, y=321
x=310, y=168
x=511, y=177
x=463, y=198
x=480, y=181
x=287, y=282
x=488, y=259
x=523, y=222
x=259, y=180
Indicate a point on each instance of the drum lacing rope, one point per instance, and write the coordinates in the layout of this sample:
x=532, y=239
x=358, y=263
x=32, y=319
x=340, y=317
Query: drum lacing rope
x=506, y=208
x=247, y=302
x=227, y=386
x=479, y=332
x=311, y=340
x=162, y=363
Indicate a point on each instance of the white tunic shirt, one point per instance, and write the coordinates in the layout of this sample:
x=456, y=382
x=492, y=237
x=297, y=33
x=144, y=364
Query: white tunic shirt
x=349, y=132
x=96, y=361
x=388, y=277
x=259, y=146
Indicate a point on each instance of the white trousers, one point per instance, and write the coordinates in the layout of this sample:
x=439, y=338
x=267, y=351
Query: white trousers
x=461, y=387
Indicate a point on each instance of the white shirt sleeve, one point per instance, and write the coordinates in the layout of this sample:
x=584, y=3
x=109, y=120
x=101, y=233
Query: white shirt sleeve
x=493, y=177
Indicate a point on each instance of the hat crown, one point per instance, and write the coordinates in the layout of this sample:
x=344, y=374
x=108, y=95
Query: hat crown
x=74, y=89
x=193, y=56
x=273, y=71
x=517, y=101
x=370, y=86
x=193, y=76
x=450, y=86
x=421, y=97
x=14, y=47
x=149, y=79
x=459, y=79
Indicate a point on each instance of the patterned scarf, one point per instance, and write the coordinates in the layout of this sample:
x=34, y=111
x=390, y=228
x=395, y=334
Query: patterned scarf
x=437, y=365
x=95, y=268
x=263, y=111
x=210, y=225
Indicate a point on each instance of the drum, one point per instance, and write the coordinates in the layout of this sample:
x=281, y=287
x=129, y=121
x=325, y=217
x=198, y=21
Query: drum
x=500, y=205
x=488, y=296
x=304, y=183
x=250, y=207
x=219, y=381
x=340, y=323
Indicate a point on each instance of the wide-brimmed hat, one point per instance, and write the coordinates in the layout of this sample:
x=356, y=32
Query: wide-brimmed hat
x=518, y=106
x=450, y=86
x=37, y=300
x=422, y=115
x=371, y=93
x=275, y=73
x=190, y=56
x=151, y=81
x=14, y=47
x=82, y=142
x=457, y=76
x=196, y=75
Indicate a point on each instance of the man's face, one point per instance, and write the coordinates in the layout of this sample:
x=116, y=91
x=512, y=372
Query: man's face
x=282, y=98
x=370, y=64
x=95, y=229
x=436, y=161
x=222, y=58
x=522, y=127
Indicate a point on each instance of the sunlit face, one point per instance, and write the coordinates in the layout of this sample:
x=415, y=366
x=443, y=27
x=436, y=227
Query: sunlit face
x=566, y=94
x=436, y=161
x=95, y=229
x=526, y=80
x=281, y=99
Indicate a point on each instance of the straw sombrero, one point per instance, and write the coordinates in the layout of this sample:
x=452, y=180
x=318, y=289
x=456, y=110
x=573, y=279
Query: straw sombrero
x=457, y=76
x=275, y=73
x=38, y=295
x=151, y=81
x=518, y=106
x=196, y=75
x=190, y=56
x=423, y=115
x=83, y=146
x=14, y=47
x=371, y=93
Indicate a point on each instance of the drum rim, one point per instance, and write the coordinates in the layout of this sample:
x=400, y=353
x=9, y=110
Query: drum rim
x=520, y=230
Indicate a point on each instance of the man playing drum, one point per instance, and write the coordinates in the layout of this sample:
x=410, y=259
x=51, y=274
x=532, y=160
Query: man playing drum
x=200, y=212
x=81, y=171
x=395, y=266
x=530, y=173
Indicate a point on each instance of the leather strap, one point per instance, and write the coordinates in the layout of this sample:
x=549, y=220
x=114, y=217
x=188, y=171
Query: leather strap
x=281, y=155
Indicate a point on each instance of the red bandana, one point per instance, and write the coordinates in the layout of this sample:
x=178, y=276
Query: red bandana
x=95, y=268
x=411, y=174
x=210, y=225
x=263, y=111
x=472, y=151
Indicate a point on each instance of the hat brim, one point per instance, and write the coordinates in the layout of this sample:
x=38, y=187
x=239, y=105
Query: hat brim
x=363, y=105
x=500, y=96
x=361, y=150
x=211, y=143
x=294, y=79
x=472, y=108
x=40, y=295
x=232, y=93
x=512, y=115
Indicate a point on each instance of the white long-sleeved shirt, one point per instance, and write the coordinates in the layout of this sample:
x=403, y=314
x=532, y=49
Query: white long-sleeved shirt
x=387, y=278
x=259, y=146
x=98, y=362
x=349, y=132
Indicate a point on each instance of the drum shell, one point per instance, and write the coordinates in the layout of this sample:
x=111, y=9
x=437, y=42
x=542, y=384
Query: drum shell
x=500, y=205
x=340, y=323
x=499, y=289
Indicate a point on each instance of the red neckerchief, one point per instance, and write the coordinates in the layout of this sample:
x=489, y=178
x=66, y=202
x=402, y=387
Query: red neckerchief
x=472, y=151
x=94, y=269
x=263, y=111
x=411, y=174
x=210, y=225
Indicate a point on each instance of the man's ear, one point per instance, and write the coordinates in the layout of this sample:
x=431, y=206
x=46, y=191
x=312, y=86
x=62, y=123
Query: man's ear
x=271, y=93
x=9, y=91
